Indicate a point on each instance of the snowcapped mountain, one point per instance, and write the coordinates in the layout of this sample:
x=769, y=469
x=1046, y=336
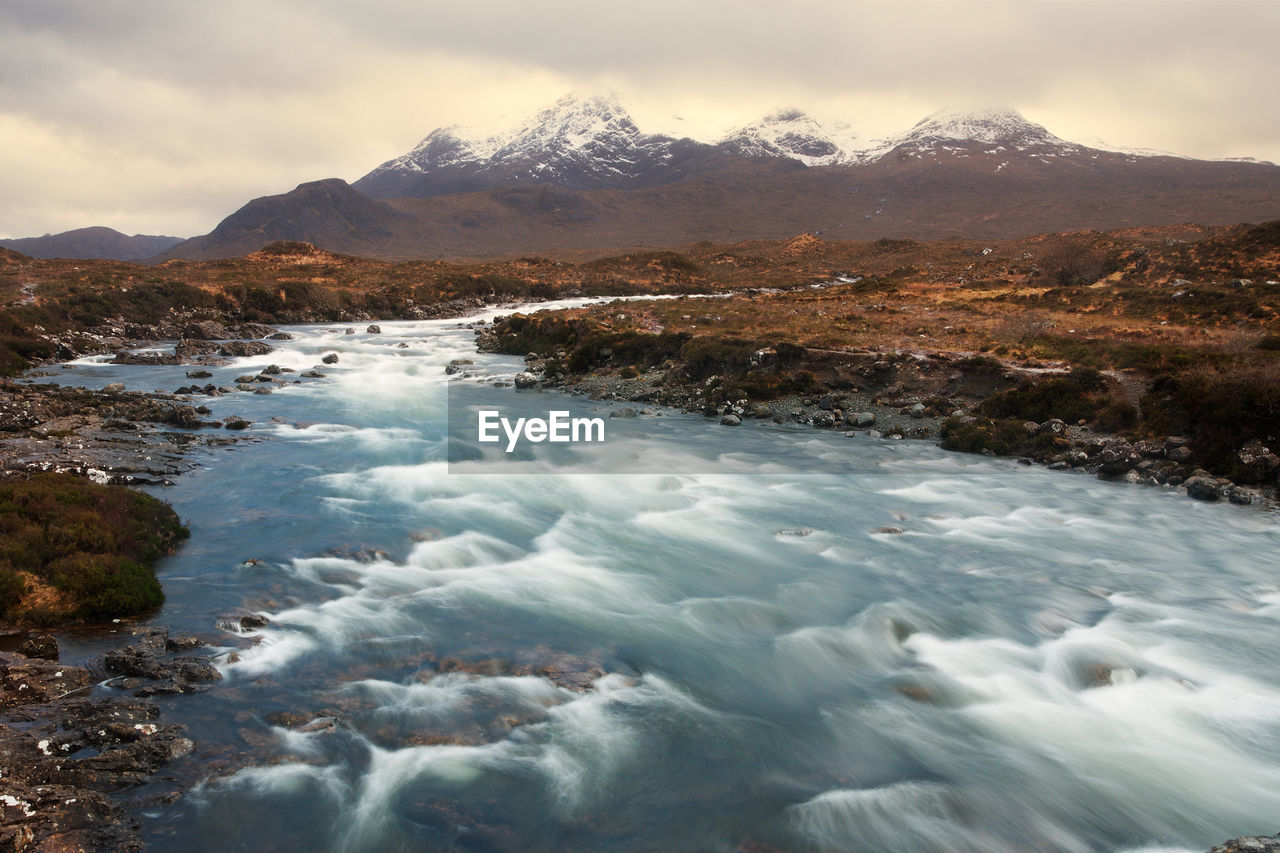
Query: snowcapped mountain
x=580, y=174
x=991, y=131
x=587, y=143
x=576, y=143
x=795, y=135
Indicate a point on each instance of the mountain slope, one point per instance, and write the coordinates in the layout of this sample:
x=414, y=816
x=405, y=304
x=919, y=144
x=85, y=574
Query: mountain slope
x=92, y=243
x=326, y=213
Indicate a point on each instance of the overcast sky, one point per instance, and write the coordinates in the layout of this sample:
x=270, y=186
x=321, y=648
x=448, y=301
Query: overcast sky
x=162, y=117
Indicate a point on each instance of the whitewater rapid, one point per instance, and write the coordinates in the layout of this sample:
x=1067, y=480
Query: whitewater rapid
x=771, y=636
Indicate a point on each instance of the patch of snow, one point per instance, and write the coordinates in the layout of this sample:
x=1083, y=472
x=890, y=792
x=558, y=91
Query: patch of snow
x=793, y=134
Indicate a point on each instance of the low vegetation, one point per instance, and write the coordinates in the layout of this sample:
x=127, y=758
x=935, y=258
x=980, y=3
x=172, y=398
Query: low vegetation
x=1191, y=314
x=73, y=549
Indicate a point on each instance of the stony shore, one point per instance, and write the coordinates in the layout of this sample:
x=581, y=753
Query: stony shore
x=71, y=737
x=932, y=396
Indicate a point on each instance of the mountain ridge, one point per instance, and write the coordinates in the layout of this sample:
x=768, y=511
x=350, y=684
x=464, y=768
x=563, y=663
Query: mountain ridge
x=580, y=175
x=96, y=242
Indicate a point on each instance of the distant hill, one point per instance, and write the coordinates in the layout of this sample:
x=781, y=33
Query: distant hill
x=327, y=213
x=580, y=175
x=92, y=243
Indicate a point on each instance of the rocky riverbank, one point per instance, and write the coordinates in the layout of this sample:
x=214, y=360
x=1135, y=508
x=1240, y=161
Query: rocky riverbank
x=968, y=403
x=74, y=737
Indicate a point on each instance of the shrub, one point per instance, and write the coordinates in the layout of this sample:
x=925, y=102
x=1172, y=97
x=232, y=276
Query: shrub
x=96, y=543
x=1004, y=437
x=106, y=585
x=1079, y=396
x=712, y=354
x=1073, y=263
x=12, y=587
x=1220, y=407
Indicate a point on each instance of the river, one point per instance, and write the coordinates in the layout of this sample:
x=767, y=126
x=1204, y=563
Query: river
x=758, y=638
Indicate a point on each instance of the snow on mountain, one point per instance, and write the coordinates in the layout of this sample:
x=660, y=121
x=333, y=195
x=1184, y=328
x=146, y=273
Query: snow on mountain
x=792, y=133
x=958, y=131
x=578, y=142
x=593, y=143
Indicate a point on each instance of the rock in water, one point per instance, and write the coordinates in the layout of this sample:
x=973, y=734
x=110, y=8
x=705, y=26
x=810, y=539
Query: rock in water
x=1115, y=458
x=42, y=646
x=1251, y=844
x=457, y=365
x=1203, y=488
x=240, y=349
x=205, y=330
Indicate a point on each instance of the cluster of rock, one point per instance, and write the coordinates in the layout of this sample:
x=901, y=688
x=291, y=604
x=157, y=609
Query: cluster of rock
x=889, y=408
x=1250, y=844
x=110, y=435
x=895, y=419
x=63, y=751
x=878, y=416
x=1166, y=462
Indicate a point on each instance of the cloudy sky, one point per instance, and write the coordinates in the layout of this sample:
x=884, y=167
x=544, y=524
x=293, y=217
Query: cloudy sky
x=162, y=117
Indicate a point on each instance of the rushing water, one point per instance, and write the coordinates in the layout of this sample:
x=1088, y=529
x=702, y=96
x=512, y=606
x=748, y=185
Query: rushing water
x=795, y=640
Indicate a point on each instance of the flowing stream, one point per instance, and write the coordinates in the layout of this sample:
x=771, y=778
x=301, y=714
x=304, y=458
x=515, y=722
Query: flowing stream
x=770, y=638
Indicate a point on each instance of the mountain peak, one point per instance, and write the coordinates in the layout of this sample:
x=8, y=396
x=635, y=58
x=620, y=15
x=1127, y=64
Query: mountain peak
x=793, y=134
x=984, y=126
x=573, y=122
x=577, y=142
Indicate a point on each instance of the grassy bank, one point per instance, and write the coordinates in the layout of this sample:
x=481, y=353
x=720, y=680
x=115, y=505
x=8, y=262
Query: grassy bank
x=73, y=550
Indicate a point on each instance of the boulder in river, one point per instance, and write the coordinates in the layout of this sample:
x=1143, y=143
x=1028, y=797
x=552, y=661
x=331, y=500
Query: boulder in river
x=525, y=379
x=1116, y=458
x=43, y=646
x=241, y=620
x=331, y=358
x=243, y=349
x=205, y=330
x=1203, y=488
x=183, y=416
x=457, y=366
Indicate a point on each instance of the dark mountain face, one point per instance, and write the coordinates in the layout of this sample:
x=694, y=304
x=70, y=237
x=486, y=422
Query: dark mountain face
x=92, y=243
x=327, y=213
